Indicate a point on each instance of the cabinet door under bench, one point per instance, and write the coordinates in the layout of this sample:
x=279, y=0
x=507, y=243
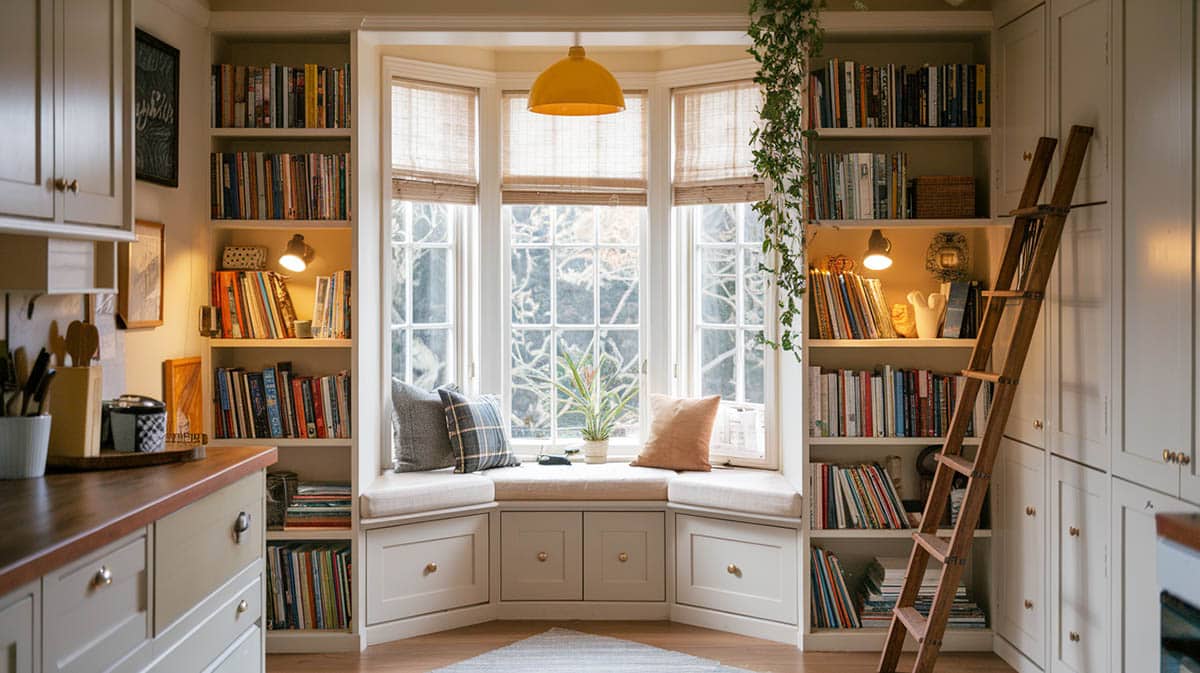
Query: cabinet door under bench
x=624, y=556
x=541, y=556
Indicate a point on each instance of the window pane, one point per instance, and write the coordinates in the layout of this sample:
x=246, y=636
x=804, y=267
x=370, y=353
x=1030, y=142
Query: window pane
x=529, y=224
x=431, y=223
x=618, y=285
x=399, y=286
x=576, y=286
x=620, y=225
x=531, y=286
x=430, y=357
x=581, y=345
x=621, y=359
x=718, y=286
x=429, y=275
x=752, y=226
x=574, y=225
x=718, y=367
x=530, y=395
x=753, y=381
x=400, y=210
x=718, y=224
x=753, y=286
x=399, y=353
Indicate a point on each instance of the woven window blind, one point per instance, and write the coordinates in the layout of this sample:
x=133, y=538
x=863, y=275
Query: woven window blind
x=713, y=158
x=573, y=160
x=433, y=143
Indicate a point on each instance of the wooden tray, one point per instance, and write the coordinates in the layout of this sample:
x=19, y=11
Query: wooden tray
x=174, y=452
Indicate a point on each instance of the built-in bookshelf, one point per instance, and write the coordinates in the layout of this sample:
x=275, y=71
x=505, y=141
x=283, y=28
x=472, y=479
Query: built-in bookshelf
x=265, y=153
x=948, y=150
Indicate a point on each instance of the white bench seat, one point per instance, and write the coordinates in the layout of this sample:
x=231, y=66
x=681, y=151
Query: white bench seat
x=605, y=481
x=750, y=491
x=395, y=494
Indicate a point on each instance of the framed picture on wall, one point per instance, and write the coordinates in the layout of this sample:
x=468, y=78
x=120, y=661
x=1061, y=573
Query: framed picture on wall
x=140, y=277
x=156, y=110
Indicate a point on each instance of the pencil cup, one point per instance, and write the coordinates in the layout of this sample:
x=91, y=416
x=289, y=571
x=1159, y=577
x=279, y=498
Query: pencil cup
x=24, y=441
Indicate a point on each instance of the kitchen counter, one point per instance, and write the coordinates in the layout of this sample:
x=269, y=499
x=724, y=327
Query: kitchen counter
x=55, y=519
x=1182, y=529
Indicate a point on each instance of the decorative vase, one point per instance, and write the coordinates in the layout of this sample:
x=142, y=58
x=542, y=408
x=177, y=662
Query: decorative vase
x=929, y=312
x=595, y=451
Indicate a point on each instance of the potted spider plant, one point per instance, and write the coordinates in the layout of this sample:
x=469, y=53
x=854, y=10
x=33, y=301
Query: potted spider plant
x=588, y=394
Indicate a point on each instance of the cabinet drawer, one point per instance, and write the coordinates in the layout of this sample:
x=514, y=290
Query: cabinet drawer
x=426, y=567
x=1081, y=526
x=96, y=609
x=19, y=630
x=197, y=548
x=237, y=611
x=245, y=656
x=541, y=556
x=1021, y=537
x=736, y=567
x=624, y=556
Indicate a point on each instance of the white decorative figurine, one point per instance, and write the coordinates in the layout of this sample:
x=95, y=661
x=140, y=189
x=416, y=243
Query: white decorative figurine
x=929, y=312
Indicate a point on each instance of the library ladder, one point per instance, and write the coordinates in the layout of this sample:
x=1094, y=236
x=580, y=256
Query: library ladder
x=1028, y=257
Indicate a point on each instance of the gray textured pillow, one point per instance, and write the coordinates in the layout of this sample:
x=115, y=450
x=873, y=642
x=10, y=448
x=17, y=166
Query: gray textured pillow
x=419, y=438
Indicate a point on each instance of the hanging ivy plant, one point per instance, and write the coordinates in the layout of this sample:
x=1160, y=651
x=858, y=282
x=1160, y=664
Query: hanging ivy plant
x=784, y=33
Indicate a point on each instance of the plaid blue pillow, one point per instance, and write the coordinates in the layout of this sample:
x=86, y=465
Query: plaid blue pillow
x=477, y=436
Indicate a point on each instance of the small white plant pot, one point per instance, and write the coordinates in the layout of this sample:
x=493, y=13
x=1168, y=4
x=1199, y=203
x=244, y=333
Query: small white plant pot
x=24, y=441
x=595, y=452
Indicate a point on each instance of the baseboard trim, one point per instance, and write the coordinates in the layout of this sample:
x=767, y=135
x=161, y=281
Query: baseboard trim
x=1013, y=657
x=588, y=610
x=431, y=623
x=744, y=626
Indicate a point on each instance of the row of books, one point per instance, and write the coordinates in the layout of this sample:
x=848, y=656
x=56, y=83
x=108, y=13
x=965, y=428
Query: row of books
x=280, y=96
x=846, y=94
x=855, y=496
x=861, y=186
x=849, y=306
x=276, y=403
x=331, y=306
x=308, y=586
x=881, y=589
x=268, y=186
x=832, y=606
x=888, y=402
x=253, y=305
x=318, y=505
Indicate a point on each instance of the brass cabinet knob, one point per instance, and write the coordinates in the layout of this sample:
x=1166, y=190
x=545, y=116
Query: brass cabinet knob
x=1073, y=531
x=242, y=606
x=1168, y=456
x=1074, y=637
x=73, y=186
x=542, y=556
x=1028, y=604
x=1030, y=510
x=1037, y=424
x=103, y=577
x=430, y=567
x=622, y=557
x=60, y=184
x=1182, y=458
x=732, y=569
x=1027, y=156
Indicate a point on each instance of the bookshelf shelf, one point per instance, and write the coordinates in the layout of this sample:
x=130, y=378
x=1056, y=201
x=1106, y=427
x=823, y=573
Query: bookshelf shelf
x=281, y=641
x=281, y=224
x=966, y=344
x=287, y=134
x=873, y=534
x=914, y=223
x=905, y=133
x=886, y=441
x=871, y=639
x=281, y=343
x=283, y=442
x=315, y=534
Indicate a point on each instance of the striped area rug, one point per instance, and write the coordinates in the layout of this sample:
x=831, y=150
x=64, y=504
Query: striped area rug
x=567, y=651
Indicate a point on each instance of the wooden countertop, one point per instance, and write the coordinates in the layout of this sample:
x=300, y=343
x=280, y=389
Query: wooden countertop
x=53, y=520
x=1182, y=529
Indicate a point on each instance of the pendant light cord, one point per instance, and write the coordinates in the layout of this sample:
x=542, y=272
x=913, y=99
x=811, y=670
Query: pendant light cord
x=578, y=40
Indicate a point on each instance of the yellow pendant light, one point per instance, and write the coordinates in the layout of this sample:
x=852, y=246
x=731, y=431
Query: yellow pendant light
x=576, y=86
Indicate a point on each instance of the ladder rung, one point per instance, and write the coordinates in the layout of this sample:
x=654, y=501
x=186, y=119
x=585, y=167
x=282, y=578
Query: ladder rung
x=986, y=376
x=914, y=622
x=957, y=463
x=936, y=546
x=1038, y=212
x=1012, y=294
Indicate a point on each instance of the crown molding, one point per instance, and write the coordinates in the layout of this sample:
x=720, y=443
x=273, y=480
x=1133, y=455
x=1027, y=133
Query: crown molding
x=283, y=22
x=906, y=23
x=525, y=23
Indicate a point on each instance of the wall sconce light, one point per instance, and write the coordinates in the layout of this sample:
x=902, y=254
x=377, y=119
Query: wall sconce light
x=297, y=255
x=878, y=257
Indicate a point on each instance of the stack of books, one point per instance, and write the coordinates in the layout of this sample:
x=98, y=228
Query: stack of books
x=885, y=579
x=845, y=94
x=832, y=607
x=253, y=305
x=854, y=496
x=308, y=586
x=888, y=402
x=275, y=403
x=268, y=186
x=331, y=306
x=280, y=96
x=849, y=306
x=861, y=186
x=318, y=505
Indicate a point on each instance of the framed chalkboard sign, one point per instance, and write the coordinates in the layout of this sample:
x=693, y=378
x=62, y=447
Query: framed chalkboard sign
x=156, y=110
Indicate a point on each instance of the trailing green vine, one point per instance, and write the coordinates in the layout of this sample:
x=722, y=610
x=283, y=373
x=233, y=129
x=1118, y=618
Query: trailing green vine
x=784, y=33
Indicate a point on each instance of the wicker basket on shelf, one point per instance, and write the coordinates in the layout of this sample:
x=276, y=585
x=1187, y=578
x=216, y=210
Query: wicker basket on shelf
x=944, y=196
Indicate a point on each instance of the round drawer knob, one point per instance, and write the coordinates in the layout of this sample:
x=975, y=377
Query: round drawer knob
x=732, y=569
x=430, y=567
x=1030, y=510
x=1028, y=604
x=1037, y=425
x=242, y=606
x=1168, y=456
x=1183, y=458
x=103, y=577
x=542, y=556
x=1027, y=156
x=1073, y=636
x=1073, y=531
x=622, y=557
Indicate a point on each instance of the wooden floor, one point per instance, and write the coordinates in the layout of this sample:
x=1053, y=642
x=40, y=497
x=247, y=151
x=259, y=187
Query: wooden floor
x=426, y=653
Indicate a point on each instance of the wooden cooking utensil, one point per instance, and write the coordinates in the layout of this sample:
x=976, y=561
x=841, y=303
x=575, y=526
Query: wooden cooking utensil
x=76, y=343
x=91, y=349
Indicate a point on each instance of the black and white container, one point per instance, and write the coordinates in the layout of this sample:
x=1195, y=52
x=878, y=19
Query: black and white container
x=137, y=424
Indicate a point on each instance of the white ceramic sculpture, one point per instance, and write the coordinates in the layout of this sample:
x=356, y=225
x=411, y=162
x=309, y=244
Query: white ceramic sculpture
x=929, y=312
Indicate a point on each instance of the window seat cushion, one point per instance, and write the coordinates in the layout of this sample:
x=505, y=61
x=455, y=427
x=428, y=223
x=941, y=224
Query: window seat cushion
x=751, y=491
x=393, y=494
x=605, y=481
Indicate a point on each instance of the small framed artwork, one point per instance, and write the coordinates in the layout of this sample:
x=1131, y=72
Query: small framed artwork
x=156, y=110
x=140, y=277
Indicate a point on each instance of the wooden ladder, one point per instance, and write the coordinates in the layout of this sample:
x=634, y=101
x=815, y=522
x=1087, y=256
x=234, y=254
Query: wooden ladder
x=1033, y=245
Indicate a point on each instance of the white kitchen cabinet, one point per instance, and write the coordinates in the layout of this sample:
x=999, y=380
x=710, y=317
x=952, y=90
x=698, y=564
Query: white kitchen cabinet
x=1135, y=590
x=1020, y=94
x=624, y=556
x=27, y=109
x=20, y=630
x=1021, y=539
x=1081, y=87
x=1159, y=237
x=1078, y=568
x=541, y=556
x=1026, y=418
